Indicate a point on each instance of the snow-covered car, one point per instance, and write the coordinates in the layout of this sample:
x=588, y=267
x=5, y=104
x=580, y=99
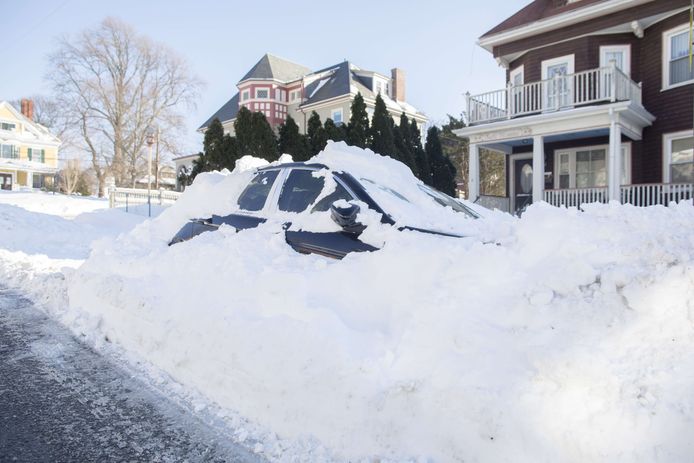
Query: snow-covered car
x=303, y=196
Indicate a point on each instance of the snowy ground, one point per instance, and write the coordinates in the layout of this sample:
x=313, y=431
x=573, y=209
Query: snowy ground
x=561, y=336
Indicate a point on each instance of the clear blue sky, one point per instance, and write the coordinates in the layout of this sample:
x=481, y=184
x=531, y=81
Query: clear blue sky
x=434, y=42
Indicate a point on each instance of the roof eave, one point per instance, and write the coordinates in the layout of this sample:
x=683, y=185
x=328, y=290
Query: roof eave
x=488, y=42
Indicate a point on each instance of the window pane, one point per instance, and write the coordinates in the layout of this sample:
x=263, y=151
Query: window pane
x=582, y=162
x=563, y=164
x=679, y=45
x=682, y=173
x=254, y=196
x=682, y=150
x=325, y=203
x=679, y=71
x=582, y=180
x=617, y=57
x=300, y=190
x=564, y=181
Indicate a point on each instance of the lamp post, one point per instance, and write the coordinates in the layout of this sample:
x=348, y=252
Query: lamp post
x=150, y=143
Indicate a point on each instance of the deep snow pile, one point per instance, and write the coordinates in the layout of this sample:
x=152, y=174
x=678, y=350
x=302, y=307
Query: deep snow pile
x=44, y=235
x=572, y=339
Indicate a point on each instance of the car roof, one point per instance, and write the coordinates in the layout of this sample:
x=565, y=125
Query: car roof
x=293, y=164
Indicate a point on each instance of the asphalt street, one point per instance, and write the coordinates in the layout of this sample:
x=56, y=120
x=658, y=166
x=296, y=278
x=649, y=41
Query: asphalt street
x=60, y=401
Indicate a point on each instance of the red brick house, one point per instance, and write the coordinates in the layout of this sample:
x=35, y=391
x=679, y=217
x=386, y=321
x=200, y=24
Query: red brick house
x=598, y=104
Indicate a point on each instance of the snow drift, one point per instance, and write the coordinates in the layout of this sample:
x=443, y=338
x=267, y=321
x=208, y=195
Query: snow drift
x=569, y=338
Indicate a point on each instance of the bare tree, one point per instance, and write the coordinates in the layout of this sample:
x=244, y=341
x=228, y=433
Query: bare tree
x=70, y=176
x=114, y=85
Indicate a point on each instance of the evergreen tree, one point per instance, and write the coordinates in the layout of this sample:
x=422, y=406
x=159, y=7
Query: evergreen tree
x=291, y=141
x=254, y=136
x=382, y=141
x=442, y=170
x=420, y=156
x=219, y=151
x=316, y=134
x=334, y=132
x=358, y=128
x=403, y=144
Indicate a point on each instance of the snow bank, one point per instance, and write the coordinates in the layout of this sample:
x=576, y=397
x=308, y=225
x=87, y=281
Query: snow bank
x=570, y=340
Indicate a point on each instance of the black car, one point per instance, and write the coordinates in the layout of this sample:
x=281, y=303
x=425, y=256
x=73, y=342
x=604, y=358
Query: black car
x=277, y=190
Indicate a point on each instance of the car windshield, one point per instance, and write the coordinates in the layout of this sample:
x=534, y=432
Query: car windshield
x=438, y=197
x=447, y=201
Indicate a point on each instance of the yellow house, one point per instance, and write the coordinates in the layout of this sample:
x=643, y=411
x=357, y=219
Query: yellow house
x=28, y=151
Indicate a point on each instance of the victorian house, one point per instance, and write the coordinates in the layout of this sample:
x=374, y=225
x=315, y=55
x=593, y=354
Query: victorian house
x=277, y=88
x=598, y=104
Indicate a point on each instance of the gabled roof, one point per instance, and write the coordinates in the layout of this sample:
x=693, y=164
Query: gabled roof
x=37, y=131
x=536, y=11
x=226, y=113
x=272, y=67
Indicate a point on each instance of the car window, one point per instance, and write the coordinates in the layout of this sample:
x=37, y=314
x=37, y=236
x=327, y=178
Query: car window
x=325, y=203
x=300, y=190
x=254, y=196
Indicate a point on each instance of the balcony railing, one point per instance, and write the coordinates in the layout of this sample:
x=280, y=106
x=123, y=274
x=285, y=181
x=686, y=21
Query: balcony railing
x=607, y=84
x=648, y=194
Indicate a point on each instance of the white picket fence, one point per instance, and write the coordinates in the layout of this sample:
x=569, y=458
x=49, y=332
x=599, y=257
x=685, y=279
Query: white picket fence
x=130, y=197
x=647, y=194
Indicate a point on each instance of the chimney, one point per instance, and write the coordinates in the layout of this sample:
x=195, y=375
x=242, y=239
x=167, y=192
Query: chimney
x=28, y=108
x=398, y=77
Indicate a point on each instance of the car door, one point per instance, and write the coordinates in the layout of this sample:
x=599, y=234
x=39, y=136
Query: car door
x=301, y=191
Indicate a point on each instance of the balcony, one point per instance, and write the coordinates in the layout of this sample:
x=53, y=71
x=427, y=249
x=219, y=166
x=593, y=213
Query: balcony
x=595, y=86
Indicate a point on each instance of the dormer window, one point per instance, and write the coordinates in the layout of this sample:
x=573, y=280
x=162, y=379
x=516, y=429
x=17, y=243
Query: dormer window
x=379, y=88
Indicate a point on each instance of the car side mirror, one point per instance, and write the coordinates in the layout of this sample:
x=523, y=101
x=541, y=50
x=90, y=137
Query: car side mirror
x=345, y=215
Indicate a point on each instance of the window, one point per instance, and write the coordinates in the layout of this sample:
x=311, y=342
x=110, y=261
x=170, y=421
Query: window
x=587, y=167
x=7, y=126
x=36, y=155
x=325, y=203
x=336, y=116
x=254, y=196
x=300, y=190
x=620, y=54
x=245, y=95
x=9, y=151
x=278, y=94
x=676, y=57
x=517, y=76
x=378, y=87
x=262, y=93
x=591, y=168
x=678, y=165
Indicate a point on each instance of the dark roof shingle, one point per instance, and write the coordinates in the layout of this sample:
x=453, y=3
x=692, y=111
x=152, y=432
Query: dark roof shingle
x=272, y=67
x=226, y=113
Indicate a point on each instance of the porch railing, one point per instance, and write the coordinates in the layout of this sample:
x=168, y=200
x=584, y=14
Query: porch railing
x=574, y=197
x=642, y=195
x=606, y=84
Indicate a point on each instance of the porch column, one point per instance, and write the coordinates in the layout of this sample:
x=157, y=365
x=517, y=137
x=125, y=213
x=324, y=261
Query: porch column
x=474, y=173
x=30, y=179
x=538, y=168
x=614, y=165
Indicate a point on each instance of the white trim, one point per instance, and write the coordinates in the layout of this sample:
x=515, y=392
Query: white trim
x=568, y=59
x=668, y=138
x=626, y=51
x=667, y=35
x=512, y=178
x=626, y=150
x=520, y=70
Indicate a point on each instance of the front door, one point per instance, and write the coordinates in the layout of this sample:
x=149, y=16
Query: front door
x=6, y=181
x=522, y=184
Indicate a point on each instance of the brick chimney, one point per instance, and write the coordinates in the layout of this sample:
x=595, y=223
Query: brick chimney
x=398, y=77
x=28, y=108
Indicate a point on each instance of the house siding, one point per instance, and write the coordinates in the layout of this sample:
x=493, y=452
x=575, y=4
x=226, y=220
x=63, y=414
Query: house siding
x=673, y=108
